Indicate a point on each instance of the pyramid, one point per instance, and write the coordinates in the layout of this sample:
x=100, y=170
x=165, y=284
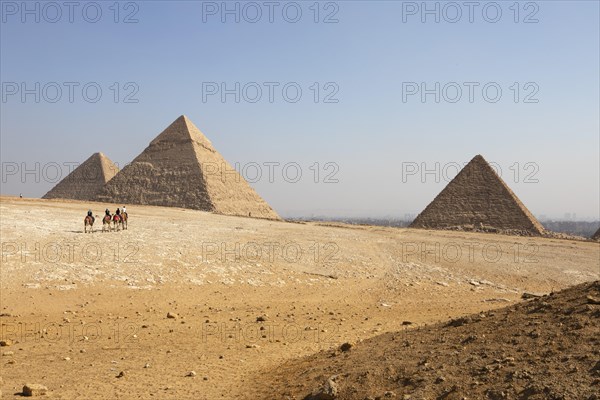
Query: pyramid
x=181, y=168
x=85, y=181
x=596, y=236
x=477, y=197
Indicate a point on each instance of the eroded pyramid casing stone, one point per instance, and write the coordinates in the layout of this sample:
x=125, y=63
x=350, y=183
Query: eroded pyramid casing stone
x=181, y=168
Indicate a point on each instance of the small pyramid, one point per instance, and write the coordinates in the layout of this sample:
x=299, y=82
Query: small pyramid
x=596, y=236
x=477, y=197
x=181, y=168
x=85, y=181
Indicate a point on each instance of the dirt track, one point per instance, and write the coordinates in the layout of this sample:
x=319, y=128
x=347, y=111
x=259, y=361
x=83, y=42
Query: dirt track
x=80, y=308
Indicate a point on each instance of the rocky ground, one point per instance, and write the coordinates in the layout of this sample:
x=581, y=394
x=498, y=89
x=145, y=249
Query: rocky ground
x=544, y=348
x=86, y=315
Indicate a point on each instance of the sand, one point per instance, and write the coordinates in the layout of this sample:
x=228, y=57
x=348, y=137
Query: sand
x=78, y=309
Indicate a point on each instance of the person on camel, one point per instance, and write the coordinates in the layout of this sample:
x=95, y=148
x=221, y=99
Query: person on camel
x=90, y=214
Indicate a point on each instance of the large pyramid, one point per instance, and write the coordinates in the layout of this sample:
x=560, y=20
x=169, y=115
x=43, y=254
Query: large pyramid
x=85, y=181
x=477, y=197
x=181, y=168
x=596, y=236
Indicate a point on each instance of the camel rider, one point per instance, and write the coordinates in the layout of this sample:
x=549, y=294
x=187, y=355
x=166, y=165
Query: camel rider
x=124, y=210
x=90, y=214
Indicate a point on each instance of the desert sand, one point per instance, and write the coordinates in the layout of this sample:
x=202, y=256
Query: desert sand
x=85, y=315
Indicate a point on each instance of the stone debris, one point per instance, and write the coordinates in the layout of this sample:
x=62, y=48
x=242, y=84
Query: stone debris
x=34, y=389
x=593, y=300
x=346, y=346
x=328, y=391
x=527, y=295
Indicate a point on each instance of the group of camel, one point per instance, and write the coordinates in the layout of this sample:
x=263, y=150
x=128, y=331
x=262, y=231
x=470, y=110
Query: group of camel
x=119, y=221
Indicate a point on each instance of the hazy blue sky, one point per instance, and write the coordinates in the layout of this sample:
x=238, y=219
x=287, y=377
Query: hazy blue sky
x=369, y=125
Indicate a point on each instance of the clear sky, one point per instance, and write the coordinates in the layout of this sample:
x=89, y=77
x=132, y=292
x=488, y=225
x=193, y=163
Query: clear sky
x=517, y=82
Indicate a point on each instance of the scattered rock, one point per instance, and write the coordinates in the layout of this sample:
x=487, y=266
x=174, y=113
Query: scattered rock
x=459, y=321
x=498, y=300
x=172, y=315
x=592, y=300
x=329, y=390
x=346, y=346
x=527, y=295
x=262, y=318
x=191, y=374
x=34, y=389
x=6, y=342
x=121, y=374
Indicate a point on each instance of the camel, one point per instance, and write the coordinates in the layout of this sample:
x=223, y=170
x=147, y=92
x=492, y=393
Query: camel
x=106, y=223
x=88, y=221
x=124, y=218
x=116, y=221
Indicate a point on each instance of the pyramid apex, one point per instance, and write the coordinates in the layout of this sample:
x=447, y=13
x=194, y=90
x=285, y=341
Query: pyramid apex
x=183, y=118
x=181, y=130
x=188, y=122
